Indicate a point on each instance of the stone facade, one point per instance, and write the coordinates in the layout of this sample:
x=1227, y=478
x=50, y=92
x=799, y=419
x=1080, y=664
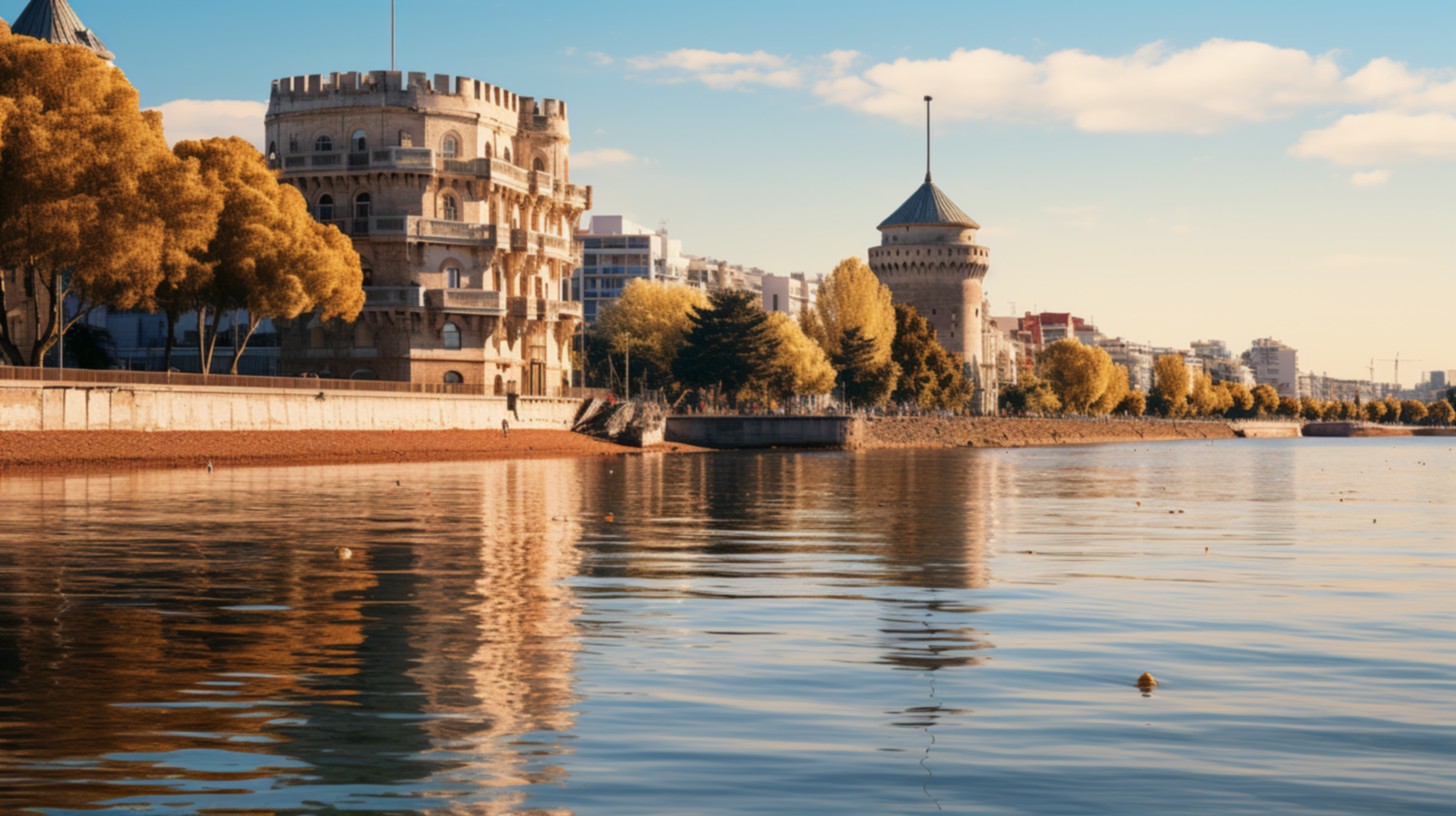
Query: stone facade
x=457, y=196
x=929, y=259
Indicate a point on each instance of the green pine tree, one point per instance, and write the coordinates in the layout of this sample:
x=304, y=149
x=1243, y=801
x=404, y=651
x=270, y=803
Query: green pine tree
x=865, y=384
x=728, y=347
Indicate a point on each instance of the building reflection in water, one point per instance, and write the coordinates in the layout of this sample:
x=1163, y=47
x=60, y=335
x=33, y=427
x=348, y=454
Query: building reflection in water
x=181, y=635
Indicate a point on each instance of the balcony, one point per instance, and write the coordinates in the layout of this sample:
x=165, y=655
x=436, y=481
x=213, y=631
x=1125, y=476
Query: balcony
x=394, y=297
x=541, y=183
x=452, y=232
x=524, y=307
x=371, y=226
x=578, y=197
x=466, y=301
x=520, y=240
x=385, y=158
x=563, y=310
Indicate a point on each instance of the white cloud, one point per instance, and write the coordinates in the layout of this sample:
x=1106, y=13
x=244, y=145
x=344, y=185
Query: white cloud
x=1382, y=137
x=605, y=157
x=722, y=70
x=1372, y=178
x=1216, y=85
x=599, y=58
x=206, y=118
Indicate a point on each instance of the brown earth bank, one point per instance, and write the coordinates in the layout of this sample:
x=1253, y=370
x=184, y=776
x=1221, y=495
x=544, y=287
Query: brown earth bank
x=109, y=450
x=1002, y=432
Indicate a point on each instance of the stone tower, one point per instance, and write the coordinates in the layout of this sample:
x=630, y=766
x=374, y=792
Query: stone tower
x=929, y=258
x=55, y=21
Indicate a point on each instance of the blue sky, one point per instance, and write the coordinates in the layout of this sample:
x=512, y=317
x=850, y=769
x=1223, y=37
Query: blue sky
x=1175, y=171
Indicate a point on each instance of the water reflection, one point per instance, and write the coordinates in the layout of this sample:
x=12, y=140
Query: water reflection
x=223, y=642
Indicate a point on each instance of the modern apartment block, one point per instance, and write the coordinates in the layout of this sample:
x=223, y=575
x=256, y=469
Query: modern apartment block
x=616, y=251
x=457, y=194
x=1274, y=364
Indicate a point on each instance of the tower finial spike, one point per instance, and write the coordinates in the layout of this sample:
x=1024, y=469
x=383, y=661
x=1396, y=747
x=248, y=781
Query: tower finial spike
x=927, y=138
x=392, y=39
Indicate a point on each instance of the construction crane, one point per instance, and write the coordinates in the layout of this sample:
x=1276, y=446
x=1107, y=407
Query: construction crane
x=1396, y=360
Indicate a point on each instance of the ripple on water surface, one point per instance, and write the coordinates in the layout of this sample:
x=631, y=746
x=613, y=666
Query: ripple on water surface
x=889, y=632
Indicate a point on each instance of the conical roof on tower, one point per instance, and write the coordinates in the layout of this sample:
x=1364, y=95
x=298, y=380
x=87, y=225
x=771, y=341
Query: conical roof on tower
x=929, y=207
x=55, y=21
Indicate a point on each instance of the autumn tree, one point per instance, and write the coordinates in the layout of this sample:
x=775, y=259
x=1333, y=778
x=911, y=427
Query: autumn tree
x=1412, y=411
x=1310, y=409
x=1266, y=400
x=1203, y=399
x=797, y=365
x=651, y=319
x=1078, y=373
x=729, y=346
x=1030, y=395
x=1133, y=405
x=930, y=376
x=865, y=382
x=852, y=297
x=1289, y=407
x=268, y=255
x=93, y=205
x=1375, y=411
x=1116, y=391
x=1240, y=400
x=1440, y=412
x=1169, y=395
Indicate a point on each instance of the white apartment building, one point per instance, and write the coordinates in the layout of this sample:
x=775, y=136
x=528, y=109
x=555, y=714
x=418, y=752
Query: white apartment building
x=616, y=251
x=1274, y=364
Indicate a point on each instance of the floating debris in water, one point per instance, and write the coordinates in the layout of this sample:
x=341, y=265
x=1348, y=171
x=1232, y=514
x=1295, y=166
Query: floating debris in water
x=343, y=553
x=1147, y=682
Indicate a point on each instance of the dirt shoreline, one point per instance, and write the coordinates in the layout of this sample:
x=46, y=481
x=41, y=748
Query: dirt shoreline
x=53, y=451
x=69, y=451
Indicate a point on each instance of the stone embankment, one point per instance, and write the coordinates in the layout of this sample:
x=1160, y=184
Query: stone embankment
x=999, y=432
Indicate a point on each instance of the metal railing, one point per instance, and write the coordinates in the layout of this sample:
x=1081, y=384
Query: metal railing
x=76, y=376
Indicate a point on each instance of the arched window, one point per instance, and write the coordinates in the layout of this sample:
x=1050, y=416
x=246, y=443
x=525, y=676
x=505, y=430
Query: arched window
x=506, y=154
x=500, y=386
x=489, y=151
x=368, y=276
x=326, y=207
x=453, y=278
x=323, y=144
x=272, y=151
x=451, y=335
x=450, y=147
x=449, y=208
x=362, y=205
x=538, y=164
x=359, y=143
x=453, y=378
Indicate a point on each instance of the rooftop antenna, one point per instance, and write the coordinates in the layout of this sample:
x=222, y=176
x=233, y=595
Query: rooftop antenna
x=927, y=139
x=392, y=66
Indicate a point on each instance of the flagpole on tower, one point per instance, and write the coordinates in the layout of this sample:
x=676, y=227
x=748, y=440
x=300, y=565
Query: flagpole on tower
x=927, y=139
x=392, y=65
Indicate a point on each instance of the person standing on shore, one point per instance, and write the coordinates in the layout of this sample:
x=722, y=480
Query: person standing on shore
x=505, y=428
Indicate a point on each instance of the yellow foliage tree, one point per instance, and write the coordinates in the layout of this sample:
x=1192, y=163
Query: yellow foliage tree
x=852, y=297
x=93, y=204
x=1205, y=399
x=1078, y=373
x=268, y=255
x=1118, y=387
x=797, y=364
x=651, y=318
x=1169, y=394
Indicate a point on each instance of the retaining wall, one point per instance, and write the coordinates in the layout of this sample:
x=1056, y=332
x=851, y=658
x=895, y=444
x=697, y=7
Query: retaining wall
x=763, y=431
x=82, y=407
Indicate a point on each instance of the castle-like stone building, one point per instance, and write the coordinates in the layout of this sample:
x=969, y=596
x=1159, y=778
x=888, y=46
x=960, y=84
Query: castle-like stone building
x=456, y=194
x=929, y=258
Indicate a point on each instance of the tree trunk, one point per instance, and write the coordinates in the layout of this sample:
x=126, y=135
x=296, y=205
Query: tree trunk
x=7, y=344
x=252, y=327
x=171, y=341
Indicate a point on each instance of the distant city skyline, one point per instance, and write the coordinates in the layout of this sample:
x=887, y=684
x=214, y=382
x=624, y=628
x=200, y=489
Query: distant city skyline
x=1176, y=174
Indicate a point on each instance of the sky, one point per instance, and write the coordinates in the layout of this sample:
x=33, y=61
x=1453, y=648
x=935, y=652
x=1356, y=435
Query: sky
x=1173, y=171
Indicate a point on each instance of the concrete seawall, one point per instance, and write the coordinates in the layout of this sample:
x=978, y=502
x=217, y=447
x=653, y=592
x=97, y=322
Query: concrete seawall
x=84, y=407
x=855, y=433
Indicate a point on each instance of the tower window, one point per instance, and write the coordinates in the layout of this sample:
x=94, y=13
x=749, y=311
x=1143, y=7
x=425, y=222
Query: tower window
x=451, y=336
x=326, y=207
x=359, y=143
x=323, y=144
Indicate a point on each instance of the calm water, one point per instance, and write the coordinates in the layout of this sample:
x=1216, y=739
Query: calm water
x=775, y=633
